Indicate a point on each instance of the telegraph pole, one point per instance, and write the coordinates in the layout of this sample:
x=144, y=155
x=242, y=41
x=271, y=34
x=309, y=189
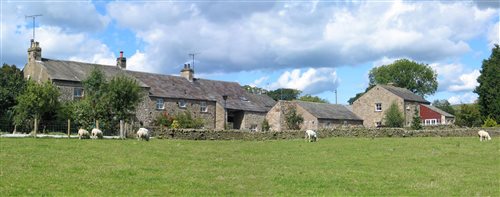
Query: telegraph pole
x=335, y=95
x=33, y=17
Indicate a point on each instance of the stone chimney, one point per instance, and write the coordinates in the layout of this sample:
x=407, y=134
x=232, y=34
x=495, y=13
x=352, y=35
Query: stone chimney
x=34, y=52
x=121, y=62
x=187, y=72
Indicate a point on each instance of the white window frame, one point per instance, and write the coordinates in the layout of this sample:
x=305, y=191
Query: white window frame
x=76, y=96
x=203, y=106
x=159, y=102
x=182, y=103
x=377, y=105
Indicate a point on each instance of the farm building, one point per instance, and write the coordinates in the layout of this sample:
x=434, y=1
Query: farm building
x=316, y=115
x=372, y=105
x=431, y=115
x=207, y=99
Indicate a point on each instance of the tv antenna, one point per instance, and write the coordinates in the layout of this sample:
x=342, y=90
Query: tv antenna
x=192, y=55
x=33, y=16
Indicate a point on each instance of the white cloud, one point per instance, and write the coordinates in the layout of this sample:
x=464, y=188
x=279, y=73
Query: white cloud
x=272, y=36
x=311, y=81
x=494, y=34
x=466, y=82
x=258, y=82
x=463, y=99
x=454, y=78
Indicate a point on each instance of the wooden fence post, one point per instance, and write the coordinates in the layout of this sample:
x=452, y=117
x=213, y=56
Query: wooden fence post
x=97, y=124
x=35, y=127
x=69, y=127
x=121, y=129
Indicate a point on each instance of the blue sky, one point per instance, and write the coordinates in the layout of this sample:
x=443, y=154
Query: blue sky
x=314, y=46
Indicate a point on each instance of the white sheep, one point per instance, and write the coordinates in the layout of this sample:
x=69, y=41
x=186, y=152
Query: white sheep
x=96, y=133
x=143, y=133
x=311, y=136
x=82, y=133
x=483, y=135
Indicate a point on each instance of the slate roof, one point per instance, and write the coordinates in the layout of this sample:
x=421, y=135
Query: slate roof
x=328, y=111
x=79, y=71
x=406, y=94
x=446, y=114
x=167, y=86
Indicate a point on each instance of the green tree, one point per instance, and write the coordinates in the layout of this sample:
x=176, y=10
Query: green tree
x=265, y=125
x=122, y=97
x=36, y=101
x=489, y=86
x=468, y=115
x=489, y=122
x=310, y=98
x=254, y=90
x=444, y=105
x=394, y=117
x=95, y=90
x=12, y=84
x=293, y=120
x=417, y=77
x=416, y=122
x=284, y=94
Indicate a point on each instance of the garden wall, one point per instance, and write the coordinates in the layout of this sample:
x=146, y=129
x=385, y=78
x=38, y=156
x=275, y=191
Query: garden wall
x=193, y=134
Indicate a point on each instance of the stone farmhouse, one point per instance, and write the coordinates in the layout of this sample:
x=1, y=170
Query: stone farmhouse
x=216, y=102
x=316, y=115
x=431, y=115
x=372, y=105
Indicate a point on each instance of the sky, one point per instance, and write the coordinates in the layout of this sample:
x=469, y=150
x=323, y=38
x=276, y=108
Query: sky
x=314, y=46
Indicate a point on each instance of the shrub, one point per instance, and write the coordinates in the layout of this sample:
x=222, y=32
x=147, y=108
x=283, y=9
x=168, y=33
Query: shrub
x=293, y=120
x=490, y=122
x=175, y=125
x=163, y=120
x=416, y=122
x=185, y=120
x=265, y=125
x=468, y=116
x=393, y=117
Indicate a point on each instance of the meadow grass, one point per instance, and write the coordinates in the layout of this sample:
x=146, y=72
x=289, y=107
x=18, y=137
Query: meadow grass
x=427, y=166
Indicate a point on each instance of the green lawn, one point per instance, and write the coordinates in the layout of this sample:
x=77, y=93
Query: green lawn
x=336, y=166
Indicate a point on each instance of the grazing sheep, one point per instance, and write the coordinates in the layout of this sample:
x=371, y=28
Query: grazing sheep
x=143, y=133
x=96, y=133
x=311, y=136
x=483, y=135
x=82, y=133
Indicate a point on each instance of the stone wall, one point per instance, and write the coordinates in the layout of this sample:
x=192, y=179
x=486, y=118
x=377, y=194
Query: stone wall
x=364, y=106
x=323, y=133
x=66, y=88
x=36, y=72
x=253, y=121
x=147, y=111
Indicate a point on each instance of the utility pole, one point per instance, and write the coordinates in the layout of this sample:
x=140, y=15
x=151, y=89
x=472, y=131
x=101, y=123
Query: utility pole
x=335, y=95
x=192, y=55
x=33, y=16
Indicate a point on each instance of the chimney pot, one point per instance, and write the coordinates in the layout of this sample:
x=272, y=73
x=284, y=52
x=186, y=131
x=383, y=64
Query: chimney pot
x=121, y=54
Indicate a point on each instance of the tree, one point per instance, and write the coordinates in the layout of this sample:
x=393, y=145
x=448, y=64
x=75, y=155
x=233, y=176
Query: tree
x=12, y=85
x=254, y=90
x=95, y=89
x=489, y=86
x=468, y=115
x=394, y=117
x=310, y=98
x=36, y=101
x=122, y=96
x=284, y=94
x=293, y=120
x=416, y=122
x=417, y=77
x=444, y=105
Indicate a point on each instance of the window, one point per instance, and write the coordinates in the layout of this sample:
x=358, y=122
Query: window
x=378, y=124
x=378, y=106
x=182, y=103
x=431, y=122
x=77, y=93
x=160, y=104
x=203, y=106
x=253, y=127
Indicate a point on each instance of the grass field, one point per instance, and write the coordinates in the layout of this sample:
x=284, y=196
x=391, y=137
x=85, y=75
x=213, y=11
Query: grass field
x=335, y=166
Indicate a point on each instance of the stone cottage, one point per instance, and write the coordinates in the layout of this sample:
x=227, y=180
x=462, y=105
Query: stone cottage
x=372, y=105
x=432, y=116
x=216, y=102
x=316, y=115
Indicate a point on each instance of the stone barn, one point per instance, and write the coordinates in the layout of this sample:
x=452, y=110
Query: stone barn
x=316, y=115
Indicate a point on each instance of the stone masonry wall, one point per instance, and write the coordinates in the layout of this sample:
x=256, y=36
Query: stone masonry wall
x=364, y=106
x=253, y=120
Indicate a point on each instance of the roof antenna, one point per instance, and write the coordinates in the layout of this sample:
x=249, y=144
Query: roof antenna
x=192, y=55
x=33, y=16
